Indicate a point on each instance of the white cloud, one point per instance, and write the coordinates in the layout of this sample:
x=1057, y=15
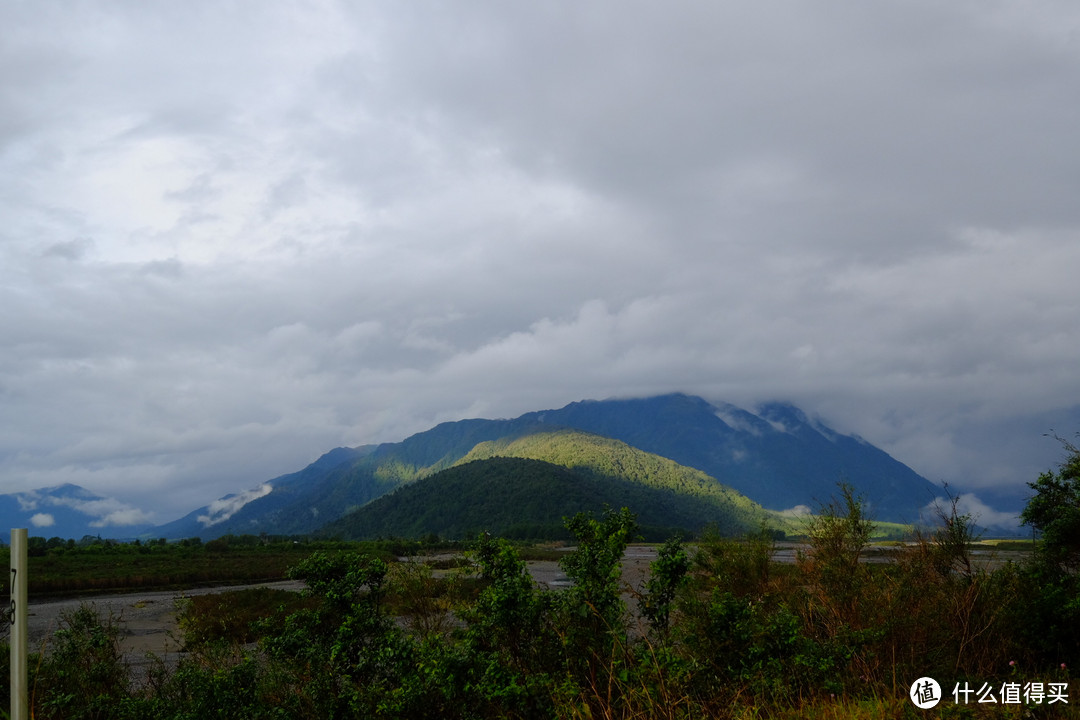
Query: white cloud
x=42, y=520
x=124, y=517
x=107, y=512
x=223, y=509
x=969, y=504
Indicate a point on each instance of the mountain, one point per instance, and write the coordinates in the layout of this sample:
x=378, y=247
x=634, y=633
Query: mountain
x=342, y=480
x=69, y=511
x=777, y=456
x=524, y=487
x=260, y=509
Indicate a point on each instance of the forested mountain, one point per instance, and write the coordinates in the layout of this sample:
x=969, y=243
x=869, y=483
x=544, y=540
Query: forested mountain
x=525, y=487
x=777, y=457
x=602, y=457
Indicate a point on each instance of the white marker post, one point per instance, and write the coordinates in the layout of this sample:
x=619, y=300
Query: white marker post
x=20, y=705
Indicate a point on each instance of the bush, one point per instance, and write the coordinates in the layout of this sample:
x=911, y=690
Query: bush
x=1051, y=626
x=235, y=616
x=1054, y=511
x=83, y=675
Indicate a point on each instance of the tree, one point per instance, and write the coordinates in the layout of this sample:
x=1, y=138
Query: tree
x=668, y=573
x=595, y=567
x=1054, y=511
x=838, y=534
x=1051, y=618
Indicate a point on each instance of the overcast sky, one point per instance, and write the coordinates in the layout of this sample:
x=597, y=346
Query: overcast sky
x=234, y=235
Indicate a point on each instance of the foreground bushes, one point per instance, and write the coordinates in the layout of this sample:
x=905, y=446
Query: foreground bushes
x=718, y=632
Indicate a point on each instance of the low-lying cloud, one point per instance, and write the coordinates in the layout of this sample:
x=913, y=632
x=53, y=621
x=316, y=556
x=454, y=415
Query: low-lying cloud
x=106, y=512
x=981, y=514
x=42, y=520
x=223, y=509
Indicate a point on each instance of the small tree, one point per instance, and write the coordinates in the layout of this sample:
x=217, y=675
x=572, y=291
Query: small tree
x=838, y=534
x=592, y=612
x=741, y=566
x=508, y=619
x=668, y=573
x=1054, y=511
x=595, y=567
x=1051, y=618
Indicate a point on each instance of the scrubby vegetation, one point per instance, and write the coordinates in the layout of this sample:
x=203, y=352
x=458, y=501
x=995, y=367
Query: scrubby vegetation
x=93, y=565
x=718, y=630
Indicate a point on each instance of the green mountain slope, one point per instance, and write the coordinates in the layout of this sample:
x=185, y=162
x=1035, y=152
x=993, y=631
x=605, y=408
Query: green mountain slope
x=780, y=458
x=603, y=456
x=525, y=487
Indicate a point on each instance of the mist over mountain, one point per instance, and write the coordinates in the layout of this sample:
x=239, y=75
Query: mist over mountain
x=260, y=509
x=70, y=511
x=777, y=457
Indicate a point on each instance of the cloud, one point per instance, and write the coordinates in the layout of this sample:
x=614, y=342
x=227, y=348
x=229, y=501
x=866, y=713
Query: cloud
x=107, y=512
x=70, y=250
x=124, y=517
x=981, y=514
x=223, y=509
x=42, y=520
x=241, y=234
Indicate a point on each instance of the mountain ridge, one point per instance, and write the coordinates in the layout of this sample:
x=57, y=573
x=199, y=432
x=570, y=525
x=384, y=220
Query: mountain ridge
x=517, y=487
x=779, y=457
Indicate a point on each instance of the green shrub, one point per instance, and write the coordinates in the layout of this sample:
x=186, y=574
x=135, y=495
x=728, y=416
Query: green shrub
x=235, y=616
x=83, y=674
x=667, y=574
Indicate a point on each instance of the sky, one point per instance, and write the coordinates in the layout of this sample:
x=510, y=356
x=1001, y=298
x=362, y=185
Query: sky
x=235, y=235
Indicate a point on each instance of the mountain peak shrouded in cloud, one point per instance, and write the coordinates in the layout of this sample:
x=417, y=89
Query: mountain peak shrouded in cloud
x=778, y=457
x=236, y=234
x=72, y=511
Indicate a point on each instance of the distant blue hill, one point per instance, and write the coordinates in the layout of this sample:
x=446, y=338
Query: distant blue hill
x=776, y=456
x=69, y=511
x=257, y=510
